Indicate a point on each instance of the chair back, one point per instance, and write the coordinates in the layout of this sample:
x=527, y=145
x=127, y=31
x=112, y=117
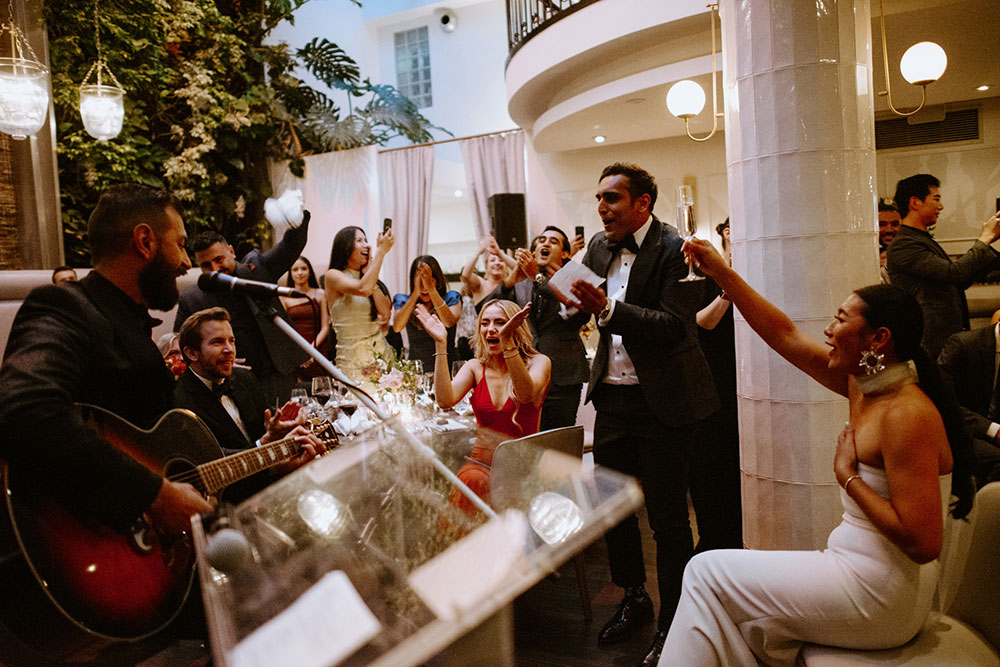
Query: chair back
x=516, y=461
x=978, y=592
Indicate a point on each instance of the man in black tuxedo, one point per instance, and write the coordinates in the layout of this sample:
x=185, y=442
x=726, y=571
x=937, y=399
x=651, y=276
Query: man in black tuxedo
x=650, y=385
x=968, y=363
x=230, y=400
x=271, y=355
x=556, y=329
x=89, y=341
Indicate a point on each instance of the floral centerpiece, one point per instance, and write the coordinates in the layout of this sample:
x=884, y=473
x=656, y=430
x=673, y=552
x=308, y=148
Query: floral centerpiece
x=393, y=377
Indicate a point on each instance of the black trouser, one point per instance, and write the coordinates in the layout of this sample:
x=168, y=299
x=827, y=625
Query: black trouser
x=560, y=406
x=985, y=462
x=629, y=437
x=714, y=480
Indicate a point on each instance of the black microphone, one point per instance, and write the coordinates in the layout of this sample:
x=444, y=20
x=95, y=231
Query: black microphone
x=221, y=282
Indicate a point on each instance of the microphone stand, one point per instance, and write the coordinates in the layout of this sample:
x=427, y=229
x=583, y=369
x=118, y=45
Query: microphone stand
x=420, y=448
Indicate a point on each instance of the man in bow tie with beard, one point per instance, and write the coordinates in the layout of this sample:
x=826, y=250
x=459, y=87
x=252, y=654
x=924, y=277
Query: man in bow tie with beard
x=650, y=385
x=230, y=400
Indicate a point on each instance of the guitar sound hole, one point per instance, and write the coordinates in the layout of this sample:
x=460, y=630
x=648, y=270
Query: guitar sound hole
x=181, y=470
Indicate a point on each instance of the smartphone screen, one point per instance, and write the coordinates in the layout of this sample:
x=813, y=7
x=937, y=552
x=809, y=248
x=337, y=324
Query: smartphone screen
x=386, y=225
x=579, y=230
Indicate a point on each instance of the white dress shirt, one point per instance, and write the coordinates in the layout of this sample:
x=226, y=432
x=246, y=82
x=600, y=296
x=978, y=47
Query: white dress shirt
x=620, y=368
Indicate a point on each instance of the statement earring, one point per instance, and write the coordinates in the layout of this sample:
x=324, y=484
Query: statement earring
x=871, y=361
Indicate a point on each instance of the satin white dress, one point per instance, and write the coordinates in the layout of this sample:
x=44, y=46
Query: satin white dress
x=741, y=607
x=358, y=337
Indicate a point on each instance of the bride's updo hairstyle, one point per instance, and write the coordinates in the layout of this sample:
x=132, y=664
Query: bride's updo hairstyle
x=890, y=307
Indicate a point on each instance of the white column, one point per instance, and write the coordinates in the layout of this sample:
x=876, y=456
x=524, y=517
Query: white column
x=801, y=168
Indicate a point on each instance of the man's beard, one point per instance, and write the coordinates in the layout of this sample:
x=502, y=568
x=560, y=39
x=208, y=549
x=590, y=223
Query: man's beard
x=158, y=283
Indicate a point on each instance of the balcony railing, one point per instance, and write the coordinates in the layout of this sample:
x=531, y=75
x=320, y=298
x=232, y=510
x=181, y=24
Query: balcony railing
x=526, y=18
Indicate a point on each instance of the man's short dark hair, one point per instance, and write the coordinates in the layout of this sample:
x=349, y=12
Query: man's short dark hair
x=59, y=269
x=918, y=185
x=640, y=181
x=190, y=332
x=205, y=240
x=565, y=241
x=120, y=209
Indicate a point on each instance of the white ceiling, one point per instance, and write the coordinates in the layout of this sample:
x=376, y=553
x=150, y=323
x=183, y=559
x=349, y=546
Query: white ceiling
x=635, y=110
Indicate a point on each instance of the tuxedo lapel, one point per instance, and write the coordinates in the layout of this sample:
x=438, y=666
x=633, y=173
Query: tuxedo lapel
x=645, y=261
x=987, y=349
x=227, y=432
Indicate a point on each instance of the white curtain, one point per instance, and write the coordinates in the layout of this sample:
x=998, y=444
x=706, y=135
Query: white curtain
x=493, y=164
x=406, y=178
x=339, y=189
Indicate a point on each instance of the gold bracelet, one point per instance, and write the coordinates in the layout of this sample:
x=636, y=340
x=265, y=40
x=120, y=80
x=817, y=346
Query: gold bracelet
x=440, y=354
x=848, y=482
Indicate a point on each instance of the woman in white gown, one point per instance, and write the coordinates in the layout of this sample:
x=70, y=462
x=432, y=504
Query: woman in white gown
x=358, y=307
x=901, y=456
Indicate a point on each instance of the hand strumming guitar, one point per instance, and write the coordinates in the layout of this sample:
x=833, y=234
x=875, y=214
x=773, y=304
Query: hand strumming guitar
x=173, y=506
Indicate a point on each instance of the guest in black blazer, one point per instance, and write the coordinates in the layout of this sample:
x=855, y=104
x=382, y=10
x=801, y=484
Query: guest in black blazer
x=556, y=330
x=968, y=363
x=650, y=385
x=230, y=400
x=271, y=355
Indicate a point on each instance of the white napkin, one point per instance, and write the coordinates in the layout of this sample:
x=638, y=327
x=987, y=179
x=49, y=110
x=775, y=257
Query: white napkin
x=286, y=209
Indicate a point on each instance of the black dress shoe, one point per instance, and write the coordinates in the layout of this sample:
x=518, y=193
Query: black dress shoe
x=634, y=611
x=652, y=658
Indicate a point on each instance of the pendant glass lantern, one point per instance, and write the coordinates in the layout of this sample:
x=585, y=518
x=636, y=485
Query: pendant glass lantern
x=102, y=106
x=24, y=85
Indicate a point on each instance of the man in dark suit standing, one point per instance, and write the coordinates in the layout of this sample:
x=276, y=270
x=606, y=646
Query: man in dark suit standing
x=230, y=400
x=556, y=329
x=650, y=385
x=917, y=264
x=968, y=363
x=271, y=355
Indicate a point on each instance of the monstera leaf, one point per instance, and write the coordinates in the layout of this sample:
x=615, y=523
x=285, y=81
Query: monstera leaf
x=328, y=63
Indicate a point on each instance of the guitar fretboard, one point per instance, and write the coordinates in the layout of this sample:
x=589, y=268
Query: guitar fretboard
x=219, y=474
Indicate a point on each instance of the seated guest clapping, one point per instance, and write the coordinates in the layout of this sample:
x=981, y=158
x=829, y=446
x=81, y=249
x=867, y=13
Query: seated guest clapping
x=230, y=400
x=508, y=379
x=898, y=461
x=358, y=308
x=428, y=287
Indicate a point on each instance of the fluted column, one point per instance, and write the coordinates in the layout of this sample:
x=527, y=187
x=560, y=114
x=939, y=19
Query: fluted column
x=801, y=169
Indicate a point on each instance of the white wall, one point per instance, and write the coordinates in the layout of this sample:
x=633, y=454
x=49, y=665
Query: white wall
x=561, y=186
x=969, y=173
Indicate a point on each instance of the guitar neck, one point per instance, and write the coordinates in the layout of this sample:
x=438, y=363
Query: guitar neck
x=220, y=473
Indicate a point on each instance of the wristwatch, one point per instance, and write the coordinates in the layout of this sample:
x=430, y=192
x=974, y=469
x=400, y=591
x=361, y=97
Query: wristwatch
x=603, y=315
x=539, y=278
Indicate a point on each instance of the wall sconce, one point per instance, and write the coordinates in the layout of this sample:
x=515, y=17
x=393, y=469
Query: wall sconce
x=24, y=85
x=686, y=99
x=921, y=65
x=101, y=106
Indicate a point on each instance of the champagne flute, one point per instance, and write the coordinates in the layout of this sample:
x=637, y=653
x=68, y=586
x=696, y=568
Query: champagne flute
x=686, y=224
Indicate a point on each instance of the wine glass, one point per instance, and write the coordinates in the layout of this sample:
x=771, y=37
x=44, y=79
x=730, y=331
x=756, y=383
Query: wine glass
x=321, y=387
x=418, y=366
x=299, y=395
x=686, y=224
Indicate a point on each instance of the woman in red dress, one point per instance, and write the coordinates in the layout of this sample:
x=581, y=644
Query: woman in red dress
x=308, y=316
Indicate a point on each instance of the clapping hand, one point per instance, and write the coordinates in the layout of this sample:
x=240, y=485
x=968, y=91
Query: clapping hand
x=508, y=329
x=424, y=280
x=526, y=262
x=589, y=299
x=431, y=324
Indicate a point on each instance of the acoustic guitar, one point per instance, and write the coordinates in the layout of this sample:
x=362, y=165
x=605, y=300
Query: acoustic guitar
x=113, y=586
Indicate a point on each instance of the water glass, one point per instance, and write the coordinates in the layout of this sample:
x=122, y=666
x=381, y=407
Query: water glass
x=299, y=395
x=321, y=386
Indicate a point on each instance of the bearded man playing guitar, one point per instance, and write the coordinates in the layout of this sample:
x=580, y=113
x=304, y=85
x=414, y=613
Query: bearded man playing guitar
x=89, y=342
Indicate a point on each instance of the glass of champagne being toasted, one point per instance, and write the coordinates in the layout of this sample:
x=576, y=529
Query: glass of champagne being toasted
x=686, y=224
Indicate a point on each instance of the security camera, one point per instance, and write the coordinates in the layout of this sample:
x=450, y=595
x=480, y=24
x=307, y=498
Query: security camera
x=446, y=19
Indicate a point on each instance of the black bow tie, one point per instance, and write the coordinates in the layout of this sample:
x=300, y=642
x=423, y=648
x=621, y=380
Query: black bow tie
x=626, y=243
x=224, y=387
